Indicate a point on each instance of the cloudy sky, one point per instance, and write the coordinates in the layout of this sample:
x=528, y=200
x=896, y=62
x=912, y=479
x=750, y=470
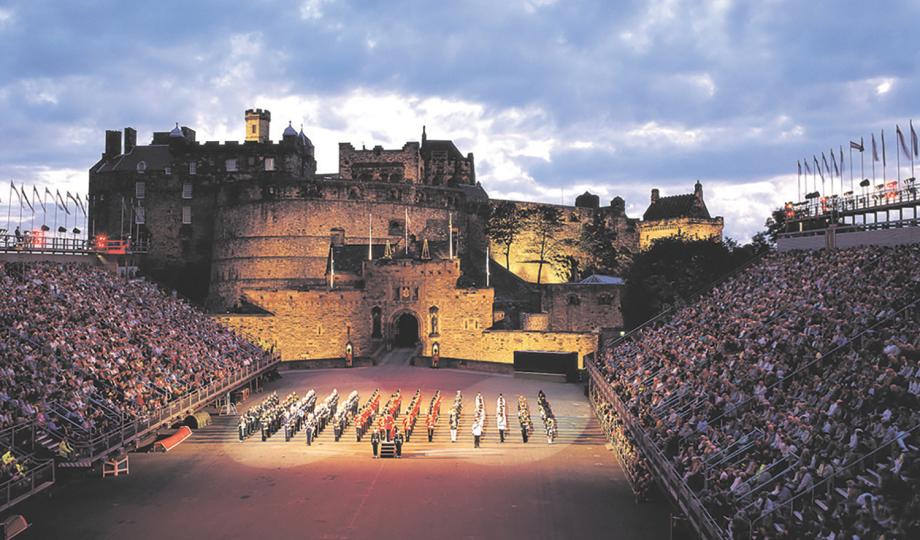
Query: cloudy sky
x=554, y=97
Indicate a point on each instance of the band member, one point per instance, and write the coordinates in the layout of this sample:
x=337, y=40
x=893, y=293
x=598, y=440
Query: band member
x=454, y=424
x=398, y=439
x=477, y=433
x=375, y=441
x=310, y=429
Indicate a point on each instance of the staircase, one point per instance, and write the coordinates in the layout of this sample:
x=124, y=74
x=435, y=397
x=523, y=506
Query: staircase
x=387, y=449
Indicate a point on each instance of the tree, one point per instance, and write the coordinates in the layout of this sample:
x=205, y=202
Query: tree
x=506, y=222
x=672, y=270
x=597, y=242
x=544, y=222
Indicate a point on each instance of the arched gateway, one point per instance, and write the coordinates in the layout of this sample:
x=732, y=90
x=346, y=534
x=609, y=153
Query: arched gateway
x=405, y=330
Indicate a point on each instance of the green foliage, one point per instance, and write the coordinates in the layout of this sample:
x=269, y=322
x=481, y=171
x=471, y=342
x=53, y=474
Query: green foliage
x=672, y=270
x=504, y=225
x=545, y=222
x=596, y=242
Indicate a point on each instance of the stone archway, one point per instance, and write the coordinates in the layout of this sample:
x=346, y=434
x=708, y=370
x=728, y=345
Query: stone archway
x=405, y=330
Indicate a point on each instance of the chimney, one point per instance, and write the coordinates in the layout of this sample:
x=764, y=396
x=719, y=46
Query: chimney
x=112, y=143
x=654, y=195
x=130, y=139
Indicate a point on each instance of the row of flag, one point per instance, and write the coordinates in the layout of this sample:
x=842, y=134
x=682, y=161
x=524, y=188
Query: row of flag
x=61, y=201
x=835, y=168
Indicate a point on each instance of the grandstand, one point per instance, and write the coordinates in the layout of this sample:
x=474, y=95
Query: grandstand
x=783, y=403
x=94, y=363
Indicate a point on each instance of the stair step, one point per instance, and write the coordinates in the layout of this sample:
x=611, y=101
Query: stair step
x=80, y=464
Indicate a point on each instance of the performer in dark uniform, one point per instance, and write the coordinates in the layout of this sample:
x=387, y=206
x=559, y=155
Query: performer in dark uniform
x=375, y=441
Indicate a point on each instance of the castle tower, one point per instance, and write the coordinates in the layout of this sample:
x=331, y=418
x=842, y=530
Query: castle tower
x=257, y=122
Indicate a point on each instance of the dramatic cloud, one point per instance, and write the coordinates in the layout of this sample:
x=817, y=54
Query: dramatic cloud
x=552, y=97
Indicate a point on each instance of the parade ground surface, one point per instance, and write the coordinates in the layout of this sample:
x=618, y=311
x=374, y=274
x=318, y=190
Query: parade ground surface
x=213, y=486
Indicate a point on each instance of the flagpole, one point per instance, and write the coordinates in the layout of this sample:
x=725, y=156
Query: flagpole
x=450, y=235
x=406, y=230
x=884, y=161
x=370, y=238
x=799, y=185
x=851, y=169
x=898, y=154
x=9, y=209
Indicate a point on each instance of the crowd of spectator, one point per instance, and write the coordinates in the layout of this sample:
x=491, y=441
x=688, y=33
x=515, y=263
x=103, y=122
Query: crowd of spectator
x=784, y=379
x=628, y=454
x=84, y=349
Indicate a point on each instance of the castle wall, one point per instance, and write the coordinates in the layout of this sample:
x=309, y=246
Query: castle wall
x=694, y=228
x=582, y=308
x=499, y=345
x=379, y=165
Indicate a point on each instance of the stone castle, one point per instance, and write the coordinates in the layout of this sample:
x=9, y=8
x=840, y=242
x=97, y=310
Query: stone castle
x=390, y=250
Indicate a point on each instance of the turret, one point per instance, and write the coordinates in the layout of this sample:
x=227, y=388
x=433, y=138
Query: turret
x=257, y=122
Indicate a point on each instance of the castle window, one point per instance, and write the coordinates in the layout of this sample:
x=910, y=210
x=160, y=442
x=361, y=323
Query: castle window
x=140, y=190
x=186, y=215
x=193, y=167
x=230, y=165
x=141, y=166
x=187, y=190
x=253, y=128
x=573, y=300
x=375, y=320
x=167, y=171
x=396, y=178
x=269, y=164
x=604, y=300
x=396, y=227
x=140, y=215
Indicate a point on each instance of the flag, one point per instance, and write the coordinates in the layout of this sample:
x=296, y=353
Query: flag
x=799, y=163
x=884, y=157
x=25, y=198
x=83, y=208
x=60, y=202
x=826, y=166
x=874, y=149
x=841, y=161
x=902, y=142
x=834, y=161
x=818, y=168
x=913, y=138
x=807, y=168
x=16, y=191
x=36, y=196
x=856, y=146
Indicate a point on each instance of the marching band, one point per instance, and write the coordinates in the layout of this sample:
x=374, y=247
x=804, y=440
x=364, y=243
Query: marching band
x=386, y=424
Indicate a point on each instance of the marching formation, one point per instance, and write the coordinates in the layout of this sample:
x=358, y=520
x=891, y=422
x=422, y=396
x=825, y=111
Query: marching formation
x=479, y=420
x=386, y=424
x=549, y=420
x=524, y=418
x=434, y=412
x=501, y=417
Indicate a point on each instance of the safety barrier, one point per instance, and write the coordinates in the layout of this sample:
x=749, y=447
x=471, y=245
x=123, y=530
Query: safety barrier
x=87, y=451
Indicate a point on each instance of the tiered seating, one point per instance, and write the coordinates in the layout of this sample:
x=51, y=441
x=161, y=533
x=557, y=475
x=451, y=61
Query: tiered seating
x=85, y=349
x=779, y=378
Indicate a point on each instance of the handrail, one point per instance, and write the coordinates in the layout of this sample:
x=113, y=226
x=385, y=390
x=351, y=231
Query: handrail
x=823, y=358
x=136, y=427
x=683, y=496
x=35, y=479
x=838, y=474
